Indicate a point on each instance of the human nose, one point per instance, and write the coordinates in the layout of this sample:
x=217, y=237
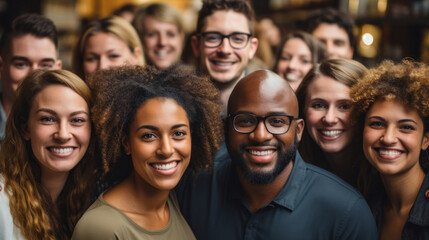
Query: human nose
x=162, y=39
x=103, y=63
x=389, y=136
x=166, y=148
x=293, y=64
x=330, y=116
x=260, y=134
x=63, y=132
x=225, y=45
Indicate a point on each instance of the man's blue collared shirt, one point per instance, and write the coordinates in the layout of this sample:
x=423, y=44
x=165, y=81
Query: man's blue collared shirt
x=313, y=204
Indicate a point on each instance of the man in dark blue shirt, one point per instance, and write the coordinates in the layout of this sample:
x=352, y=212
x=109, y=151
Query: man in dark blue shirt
x=263, y=189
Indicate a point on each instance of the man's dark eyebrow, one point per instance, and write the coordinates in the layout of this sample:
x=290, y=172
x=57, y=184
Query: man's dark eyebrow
x=20, y=58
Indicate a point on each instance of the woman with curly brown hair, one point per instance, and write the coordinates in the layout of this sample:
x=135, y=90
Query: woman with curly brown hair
x=392, y=105
x=151, y=125
x=47, y=158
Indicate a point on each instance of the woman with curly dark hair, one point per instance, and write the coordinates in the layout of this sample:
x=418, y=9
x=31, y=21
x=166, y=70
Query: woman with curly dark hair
x=392, y=105
x=151, y=125
x=47, y=163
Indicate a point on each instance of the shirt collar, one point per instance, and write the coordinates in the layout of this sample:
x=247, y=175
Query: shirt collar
x=288, y=197
x=419, y=213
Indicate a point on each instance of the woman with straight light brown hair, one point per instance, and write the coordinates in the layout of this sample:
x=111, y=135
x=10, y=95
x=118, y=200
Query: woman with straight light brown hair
x=47, y=160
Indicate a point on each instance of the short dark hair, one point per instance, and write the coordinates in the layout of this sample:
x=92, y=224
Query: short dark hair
x=331, y=16
x=239, y=6
x=29, y=23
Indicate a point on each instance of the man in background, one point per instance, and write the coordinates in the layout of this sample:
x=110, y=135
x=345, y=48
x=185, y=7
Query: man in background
x=31, y=43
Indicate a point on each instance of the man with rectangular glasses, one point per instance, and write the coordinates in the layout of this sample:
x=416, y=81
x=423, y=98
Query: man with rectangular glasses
x=224, y=42
x=263, y=189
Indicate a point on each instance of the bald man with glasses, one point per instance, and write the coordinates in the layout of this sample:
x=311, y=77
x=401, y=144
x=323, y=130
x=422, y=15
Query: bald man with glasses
x=263, y=189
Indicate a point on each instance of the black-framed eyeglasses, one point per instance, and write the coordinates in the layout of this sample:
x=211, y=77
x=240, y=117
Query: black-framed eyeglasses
x=237, y=40
x=276, y=124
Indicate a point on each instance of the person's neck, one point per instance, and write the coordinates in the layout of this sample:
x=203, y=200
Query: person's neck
x=257, y=195
x=54, y=183
x=402, y=189
x=8, y=96
x=225, y=89
x=147, y=197
x=344, y=164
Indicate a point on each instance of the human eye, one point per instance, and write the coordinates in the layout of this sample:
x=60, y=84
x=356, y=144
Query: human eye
x=47, y=65
x=306, y=61
x=407, y=127
x=114, y=56
x=318, y=105
x=148, y=136
x=376, y=124
x=286, y=58
x=171, y=34
x=78, y=120
x=244, y=121
x=180, y=134
x=151, y=34
x=344, y=106
x=238, y=38
x=91, y=59
x=47, y=119
x=339, y=43
x=212, y=37
x=20, y=65
x=278, y=121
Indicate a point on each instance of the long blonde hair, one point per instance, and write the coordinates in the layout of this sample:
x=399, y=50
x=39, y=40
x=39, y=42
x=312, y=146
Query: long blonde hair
x=30, y=204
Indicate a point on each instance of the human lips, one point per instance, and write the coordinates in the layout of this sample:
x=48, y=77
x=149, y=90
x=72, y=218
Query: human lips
x=331, y=133
x=260, y=155
x=388, y=153
x=222, y=64
x=291, y=77
x=161, y=53
x=165, y=168
x=61, y=151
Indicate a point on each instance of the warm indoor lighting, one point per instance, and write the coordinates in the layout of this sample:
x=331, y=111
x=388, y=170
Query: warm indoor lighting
x=367, y=39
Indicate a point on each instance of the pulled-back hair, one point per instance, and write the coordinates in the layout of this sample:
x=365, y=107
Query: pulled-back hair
x=240, y=6
x=119, y=92
x=31, y=205
x=33, y=24
x=114, y=25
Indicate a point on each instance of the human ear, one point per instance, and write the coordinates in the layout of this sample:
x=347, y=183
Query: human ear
x=299, y=128
x=425, y=142
x=195, y=46
x=253, y=47
x=126, y=144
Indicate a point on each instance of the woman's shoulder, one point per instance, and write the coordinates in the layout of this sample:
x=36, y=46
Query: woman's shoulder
x=100, y=221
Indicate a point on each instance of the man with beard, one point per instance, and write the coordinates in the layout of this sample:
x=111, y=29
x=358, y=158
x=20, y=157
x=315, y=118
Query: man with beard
x=263, y=189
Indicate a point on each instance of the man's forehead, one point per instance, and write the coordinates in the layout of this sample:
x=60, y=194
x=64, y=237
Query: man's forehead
x=226, y=21
x=30, y=46
x=263, y=88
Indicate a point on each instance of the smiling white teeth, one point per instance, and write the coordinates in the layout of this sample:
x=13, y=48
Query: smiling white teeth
x=164, y=166
x=389, y=152
x=161, y=53
x=223, y=63
x=291, y=76
x=261, y=153
x=61, y=150
x=331, y=133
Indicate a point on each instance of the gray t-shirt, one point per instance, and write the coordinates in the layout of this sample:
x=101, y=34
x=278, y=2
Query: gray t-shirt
x=102, y=221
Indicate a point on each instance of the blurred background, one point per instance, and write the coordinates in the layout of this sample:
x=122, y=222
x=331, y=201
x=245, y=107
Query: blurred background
x=391, y=29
